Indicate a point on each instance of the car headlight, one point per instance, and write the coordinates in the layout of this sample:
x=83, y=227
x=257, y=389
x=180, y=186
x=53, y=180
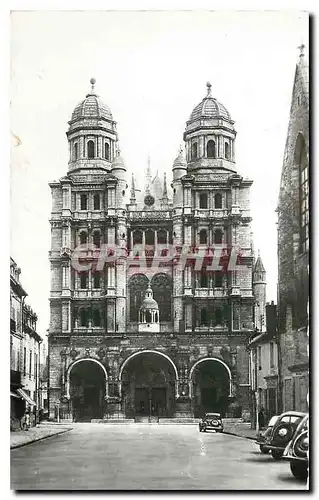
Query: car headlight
x=282, y=432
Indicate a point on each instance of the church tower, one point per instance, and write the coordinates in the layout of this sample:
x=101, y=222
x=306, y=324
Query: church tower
x=259, y=287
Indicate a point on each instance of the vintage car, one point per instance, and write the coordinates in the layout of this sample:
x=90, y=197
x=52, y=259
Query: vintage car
x=263, y=435
x=297, y=450
x=282, y=432
x=211, y=421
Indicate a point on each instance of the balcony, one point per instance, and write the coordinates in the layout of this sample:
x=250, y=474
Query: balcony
x=211, y=292
x=89, y=294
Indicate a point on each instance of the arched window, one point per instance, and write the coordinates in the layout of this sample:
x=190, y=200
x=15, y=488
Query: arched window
x=137, y=238
x=218, y=236
x=227, y=155
x=162, y=287
x=76, y=150
x=204, y=317
x=96, y=202
x=83, y=238
x=137, y=286
x=83, y=317
x=301, y=163
x=218, y=316
x=84, y=202
x=148, y=317
x=156, y=317
x=149, y=237
x=211, y=149
x=203, y=236
x=218, y=200
x=97, y=279
x=203, y=279
x=194, y=150
x=91, y=149
x=107, y=151
x=97, y=238
x=203, y=200
x=161, y=236
x=83, y=281
x=96, y=317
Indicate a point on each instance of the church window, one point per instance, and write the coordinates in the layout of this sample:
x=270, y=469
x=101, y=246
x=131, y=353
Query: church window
x=137, y=286
x=204, y=317
x=91, y=149
x=218, y=316
x=218, y=200
x=161, y=236
x=107, y=151
x=137, y=238
x=227, y=151
x=162, y=287
x=83, y=281
x=96, y=279
x=83, y=317
x=218, y=236
x=194, y=150
x=211, y=149
x=96, y=202
x=218, y=281
x=76, y=151
x=83, y=238
x=97, y=239
x=203, y=200
x=203, y=279
x=84, y=202
x=96, y=317
x=203, y=236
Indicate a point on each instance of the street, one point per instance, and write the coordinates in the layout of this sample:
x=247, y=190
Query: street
x=146, y=457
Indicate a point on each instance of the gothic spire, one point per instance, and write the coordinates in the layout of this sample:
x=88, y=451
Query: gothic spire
x=133, y=197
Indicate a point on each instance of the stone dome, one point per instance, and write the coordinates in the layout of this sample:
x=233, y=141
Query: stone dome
x=149, y=302
x=180, y=160
x=91, y=107
x=209, y=107
x=118, y=162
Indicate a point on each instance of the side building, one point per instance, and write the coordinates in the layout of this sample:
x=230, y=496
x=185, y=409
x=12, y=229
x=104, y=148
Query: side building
x=133, y=338
x=24, y=353
x=293, y=248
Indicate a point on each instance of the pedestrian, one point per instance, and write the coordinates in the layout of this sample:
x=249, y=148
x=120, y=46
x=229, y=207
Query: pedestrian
x=261, y=418
x=27, y=419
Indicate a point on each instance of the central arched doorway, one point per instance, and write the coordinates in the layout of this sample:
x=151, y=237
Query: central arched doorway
x=148, y=382
x=211, y=384
x=87, y=391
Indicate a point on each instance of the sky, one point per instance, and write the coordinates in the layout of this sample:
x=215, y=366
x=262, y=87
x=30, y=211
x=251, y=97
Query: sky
x=151, y=68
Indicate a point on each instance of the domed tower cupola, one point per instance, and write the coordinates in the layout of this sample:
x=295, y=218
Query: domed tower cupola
x=210, y=135
x=92, y=134
x=179, y=165
x=149, y=313
x=118, y=167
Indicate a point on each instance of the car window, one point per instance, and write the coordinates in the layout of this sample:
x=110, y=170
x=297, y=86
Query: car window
x=294, y=420
x=286, y=418
x=272, y=421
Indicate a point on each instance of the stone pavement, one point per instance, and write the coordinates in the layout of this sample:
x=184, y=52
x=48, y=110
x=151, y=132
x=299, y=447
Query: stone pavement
x=41, y=431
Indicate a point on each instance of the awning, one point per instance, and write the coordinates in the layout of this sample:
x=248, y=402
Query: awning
x=26, y=397
x=14, y=395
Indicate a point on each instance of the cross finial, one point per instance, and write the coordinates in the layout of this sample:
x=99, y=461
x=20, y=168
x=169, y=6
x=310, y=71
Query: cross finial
x=209, y=88
x=92, y=82
x=301, y=50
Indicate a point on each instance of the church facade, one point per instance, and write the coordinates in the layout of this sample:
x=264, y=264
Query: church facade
x=152, y=291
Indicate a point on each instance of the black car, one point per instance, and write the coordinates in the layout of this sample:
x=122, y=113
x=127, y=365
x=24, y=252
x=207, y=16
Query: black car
x=211, y=421
x=263, y=435
x=282, y=432
x=297, y=450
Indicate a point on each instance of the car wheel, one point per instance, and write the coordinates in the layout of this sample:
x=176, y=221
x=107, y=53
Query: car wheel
x=299, y=470
x=276, y=454
x=263, y=450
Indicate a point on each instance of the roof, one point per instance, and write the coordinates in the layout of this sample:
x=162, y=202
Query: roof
x=259, y=266
x=209, y=107
x=91, y=107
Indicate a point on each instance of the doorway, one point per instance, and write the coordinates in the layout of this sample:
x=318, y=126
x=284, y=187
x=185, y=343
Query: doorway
x=87, y=390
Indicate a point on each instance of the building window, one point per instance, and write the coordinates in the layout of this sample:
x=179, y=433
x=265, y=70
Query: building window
x=204, y=317
x=203, y=279
x=259, y=357
x=218, y=201
x=272, y=364
x=218, y=281
x=24, y=360
x=91, y=149
x=302, y=165
x=83, y=317
x=194, y=150
x=83, y=238
x=30, y=364
x=76, y=151
x=218, y=236
x=211, y=149
x=203, y=200
x=107, y=151
x=96, y=279
x=218, y=317
x=96, y=317
x=83, y=281
x=84, y=202
x=97, y=239
x=96, y=202
x=227, y=151
x=203, y=236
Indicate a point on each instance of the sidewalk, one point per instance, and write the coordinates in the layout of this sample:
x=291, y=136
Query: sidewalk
x=241, y=430
x=42, y=431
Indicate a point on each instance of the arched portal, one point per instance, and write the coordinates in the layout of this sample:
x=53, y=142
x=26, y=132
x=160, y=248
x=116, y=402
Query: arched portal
x=210, y=386
x=148, y=384
x=86, y=387
x=137, y=286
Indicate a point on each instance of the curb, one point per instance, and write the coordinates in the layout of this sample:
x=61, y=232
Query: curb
x=239, y=435
x=39, y=439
